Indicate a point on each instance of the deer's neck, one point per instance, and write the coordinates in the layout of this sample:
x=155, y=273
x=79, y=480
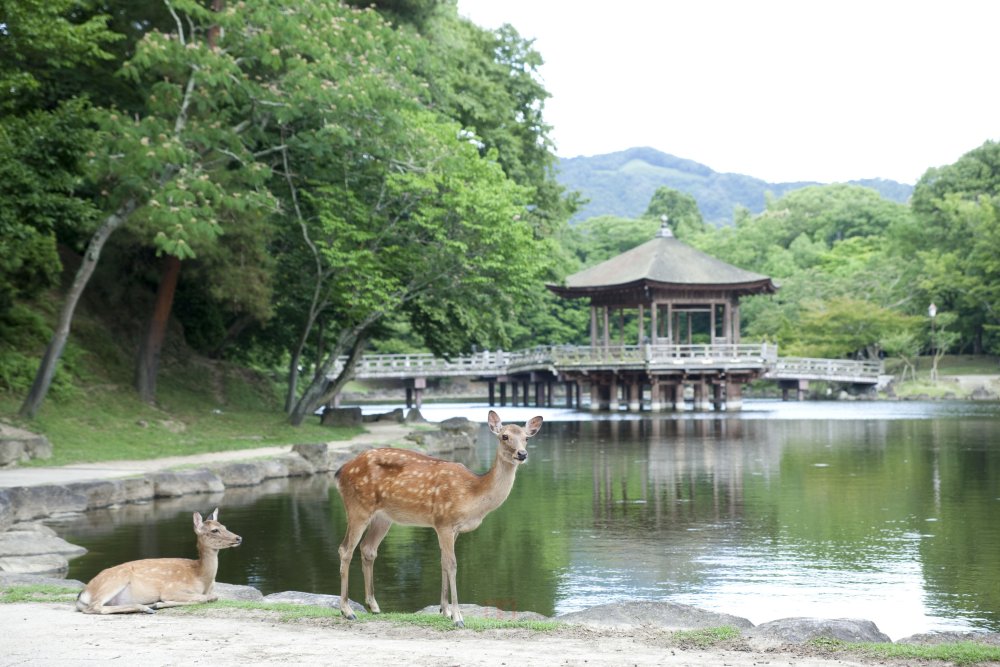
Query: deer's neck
x=496, y=484
x=208, y=564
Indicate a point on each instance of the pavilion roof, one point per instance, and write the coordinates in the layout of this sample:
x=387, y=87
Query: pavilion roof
x=664, y=262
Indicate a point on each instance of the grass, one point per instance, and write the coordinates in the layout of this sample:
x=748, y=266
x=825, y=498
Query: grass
x=957, y=653
x=707, y=637
x=288, y=612
x=38, y=593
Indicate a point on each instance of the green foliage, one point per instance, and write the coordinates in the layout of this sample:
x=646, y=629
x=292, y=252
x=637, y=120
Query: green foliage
x=40, y=40
x=955, y=240
x=40, y=156
x=680, y=209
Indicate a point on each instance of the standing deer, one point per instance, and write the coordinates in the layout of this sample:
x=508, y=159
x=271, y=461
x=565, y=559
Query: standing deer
x=158, y=583
x=385, y=486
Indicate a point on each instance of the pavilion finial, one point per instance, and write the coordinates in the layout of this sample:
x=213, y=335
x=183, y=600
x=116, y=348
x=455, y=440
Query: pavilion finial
x=665, y=231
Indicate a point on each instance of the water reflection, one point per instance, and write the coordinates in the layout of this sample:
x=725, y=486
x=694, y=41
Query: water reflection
x=891, y=519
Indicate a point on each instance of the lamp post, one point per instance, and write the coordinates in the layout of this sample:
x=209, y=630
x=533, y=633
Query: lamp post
x=932, y=313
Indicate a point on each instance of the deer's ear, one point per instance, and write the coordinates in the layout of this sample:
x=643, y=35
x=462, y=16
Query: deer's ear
x=197, y=520
x=533, y=426
x=494, y=420
x=215, y=514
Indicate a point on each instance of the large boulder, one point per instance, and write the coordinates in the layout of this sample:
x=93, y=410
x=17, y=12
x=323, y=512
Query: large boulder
x=171, y=484
x=32, y=548
x=18, y=445
x=36, y=502
x=237, y=592
x=341, y=417
x=661, y=614
x=801, y=629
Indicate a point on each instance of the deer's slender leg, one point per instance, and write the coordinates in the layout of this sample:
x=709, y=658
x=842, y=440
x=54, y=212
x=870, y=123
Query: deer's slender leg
x=356, y=525
x=377, y=530
x=449, y=569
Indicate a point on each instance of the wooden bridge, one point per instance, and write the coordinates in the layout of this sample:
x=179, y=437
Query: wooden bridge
x=630, y=369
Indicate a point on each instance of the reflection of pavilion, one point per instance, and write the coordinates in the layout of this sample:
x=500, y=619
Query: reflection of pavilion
x=678, y=303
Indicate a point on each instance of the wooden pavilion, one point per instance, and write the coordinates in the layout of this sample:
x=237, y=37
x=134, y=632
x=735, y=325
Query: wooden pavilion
x=673, y=301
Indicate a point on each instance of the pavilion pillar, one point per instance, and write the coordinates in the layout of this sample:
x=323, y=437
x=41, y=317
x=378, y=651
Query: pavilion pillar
x=595, y=396
x=716, y=399
x=503, y=393
x=634, y=395
x=593, y=326
x=613, y=395
x=734, y=396
x=701, y=402
x=655, y=402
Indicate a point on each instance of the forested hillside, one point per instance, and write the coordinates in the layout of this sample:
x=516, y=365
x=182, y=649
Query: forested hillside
x=622, y=184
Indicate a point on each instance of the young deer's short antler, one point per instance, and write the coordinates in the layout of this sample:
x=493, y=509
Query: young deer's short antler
x=157, y=583
x=385, y=486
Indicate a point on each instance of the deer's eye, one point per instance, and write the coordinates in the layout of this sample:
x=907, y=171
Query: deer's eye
x=215, y=530
x=505, y=436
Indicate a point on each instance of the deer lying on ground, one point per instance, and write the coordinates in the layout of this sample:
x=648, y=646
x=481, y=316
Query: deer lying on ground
x=158, y=583
x=385, y=486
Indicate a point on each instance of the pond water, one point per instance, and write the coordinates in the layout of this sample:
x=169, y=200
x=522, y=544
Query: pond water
x=885, y=511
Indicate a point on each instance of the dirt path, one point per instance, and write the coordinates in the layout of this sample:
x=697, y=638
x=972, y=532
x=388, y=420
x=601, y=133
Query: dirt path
x=55, y=634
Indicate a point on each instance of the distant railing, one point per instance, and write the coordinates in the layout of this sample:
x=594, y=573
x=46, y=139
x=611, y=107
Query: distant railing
x=555, y=358
x=842, y=370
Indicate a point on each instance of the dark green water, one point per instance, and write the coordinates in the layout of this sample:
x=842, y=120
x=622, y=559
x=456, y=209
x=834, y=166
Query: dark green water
x=889, y=512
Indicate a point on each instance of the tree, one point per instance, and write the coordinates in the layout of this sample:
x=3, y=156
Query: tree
x=955, y=237
x=443, y=242
x=681, y=210
x=173, y=172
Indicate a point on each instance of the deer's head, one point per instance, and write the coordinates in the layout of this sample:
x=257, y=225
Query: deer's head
x=213, y=534
x=513, y=439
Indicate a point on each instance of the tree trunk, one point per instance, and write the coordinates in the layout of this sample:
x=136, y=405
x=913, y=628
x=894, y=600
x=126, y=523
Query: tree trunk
x=320, y=390
x=148, y=364
x=47, y=367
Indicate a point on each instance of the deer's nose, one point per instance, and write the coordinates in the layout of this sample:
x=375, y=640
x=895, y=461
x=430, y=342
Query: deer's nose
x=521, y=455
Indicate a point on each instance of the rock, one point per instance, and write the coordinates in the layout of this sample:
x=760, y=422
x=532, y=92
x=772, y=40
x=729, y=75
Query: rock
x=12, y=579
x=36, y=502
x=457, y=436
x=107, y=493
x=394, y=416
x=237, y=592
x=662, y=614
x=6, y=510
x=315, y=599
x=460, y=425
x=341, y=417
x=18, y=445
x=170, y=484
x=476, y=611
x=414, y=417
x=239, y=474
x=931, y=638
x=317, y=455
x=32, y=548
x=799, y=630
x=40, y=564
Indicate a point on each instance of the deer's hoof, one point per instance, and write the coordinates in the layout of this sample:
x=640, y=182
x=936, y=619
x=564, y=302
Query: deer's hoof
x=349, y=616
x=459, y=624
x=148, y=610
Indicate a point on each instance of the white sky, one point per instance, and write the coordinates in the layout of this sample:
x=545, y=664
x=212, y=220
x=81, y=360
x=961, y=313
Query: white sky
x=781, y=90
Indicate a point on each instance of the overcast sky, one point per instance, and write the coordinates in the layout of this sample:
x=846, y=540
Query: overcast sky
x=784, y=91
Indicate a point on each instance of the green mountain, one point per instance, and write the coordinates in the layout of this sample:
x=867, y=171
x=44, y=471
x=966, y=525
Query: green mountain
x=622, y=184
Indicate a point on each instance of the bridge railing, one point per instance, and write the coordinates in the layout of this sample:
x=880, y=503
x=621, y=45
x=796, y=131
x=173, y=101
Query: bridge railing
x=556, y=357
x=821, y=369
